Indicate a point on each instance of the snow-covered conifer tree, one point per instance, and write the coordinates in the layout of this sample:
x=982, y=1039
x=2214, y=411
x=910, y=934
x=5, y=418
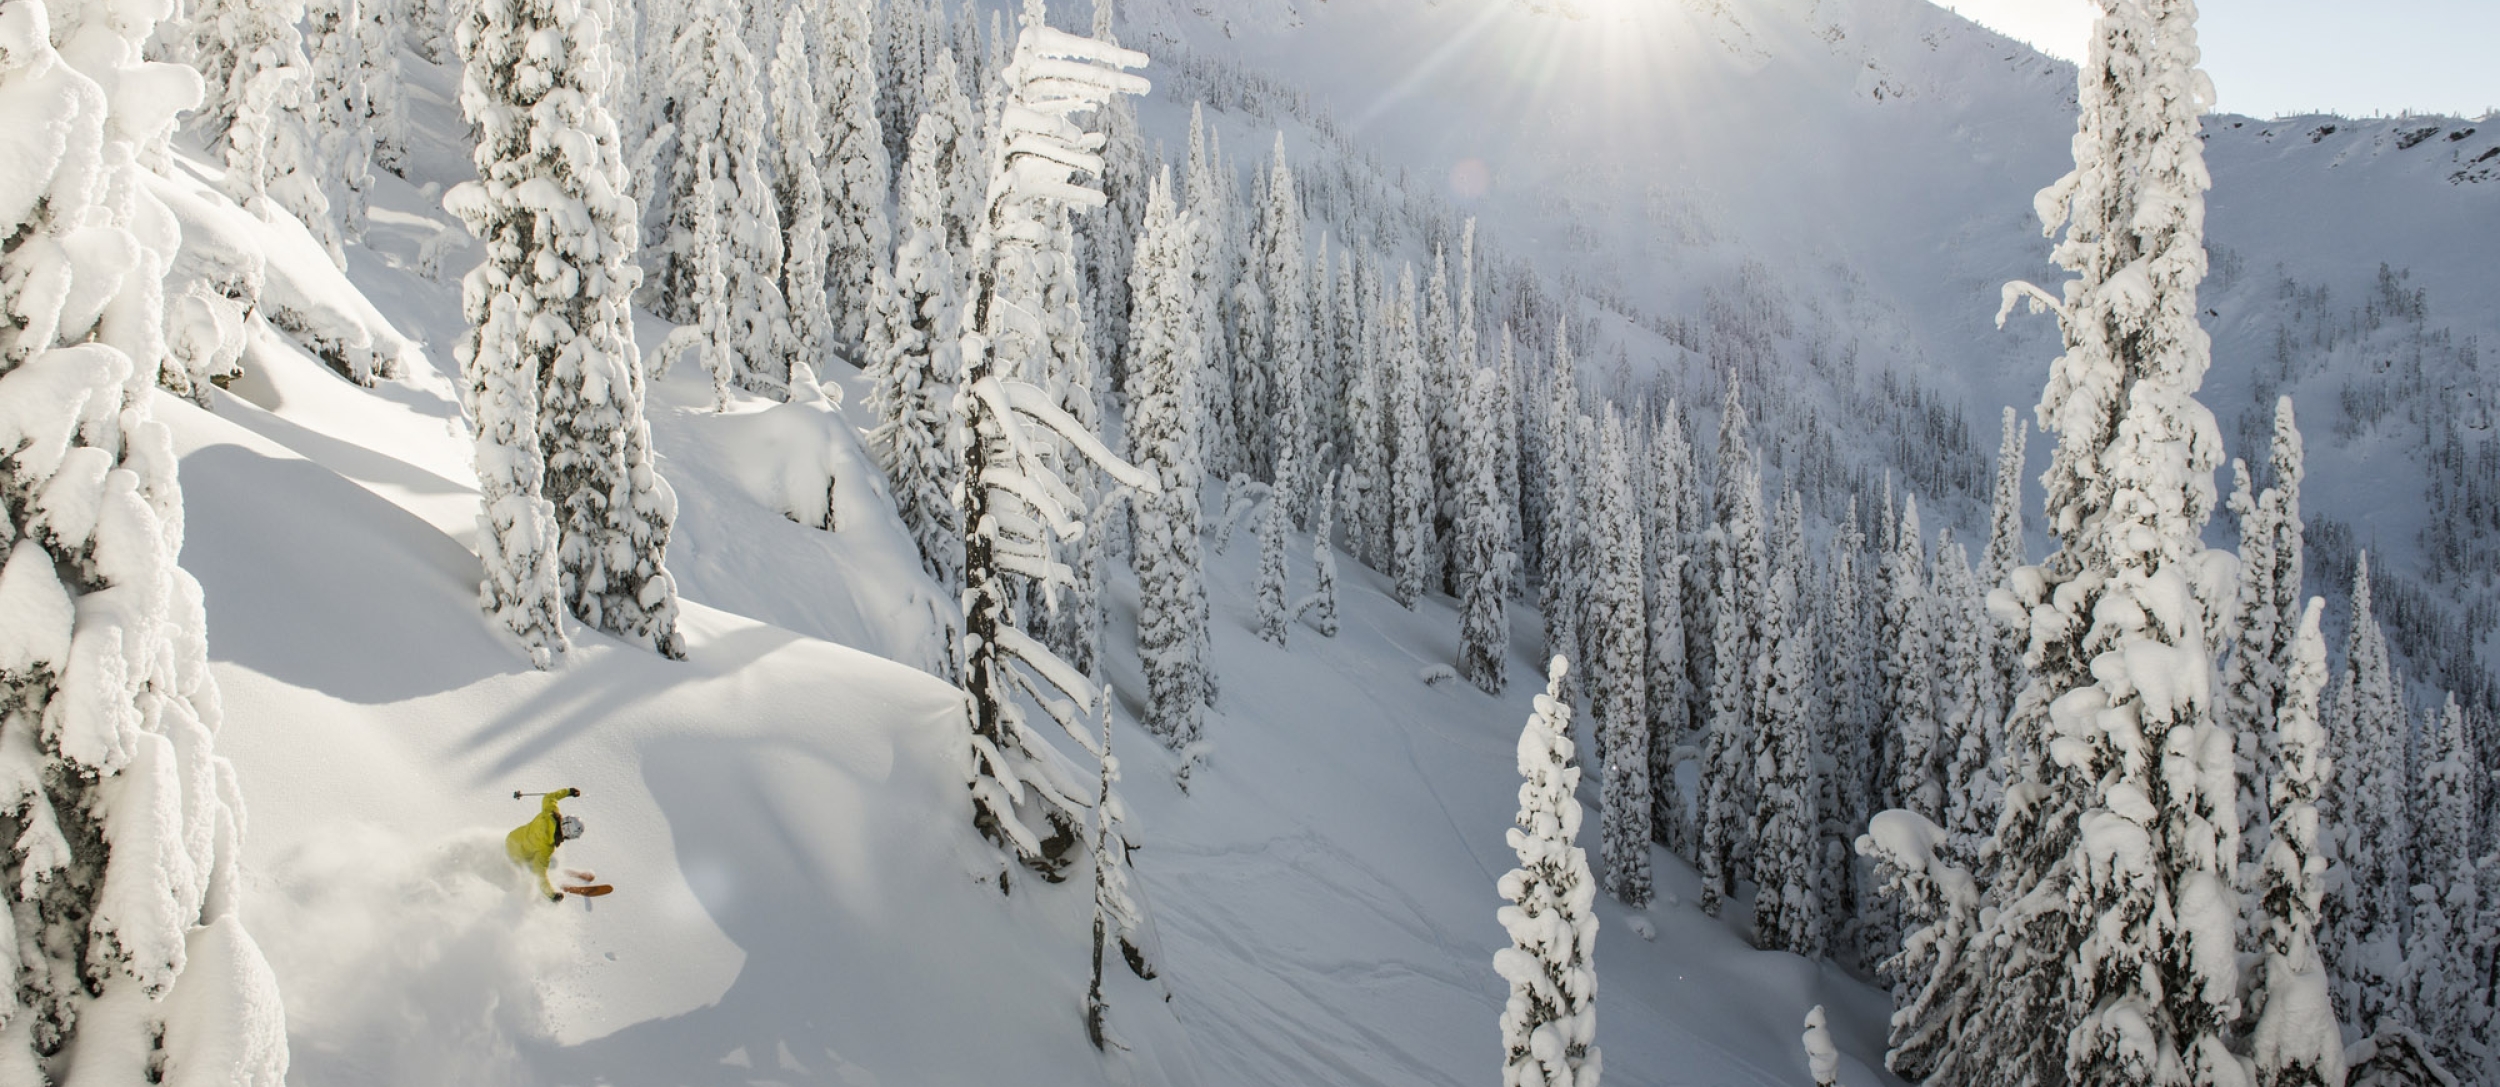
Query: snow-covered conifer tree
x=1848, y=664
x=1368, y=428
x=1483, y=542
x=2004, y=554
x=1213, y=266
x=258, y=112
x=123, y=832
x=1012, y=501
x=1788, y=911
x=1443, y=370
x=1913, y=755
x=1296, y=380
x=1967, y=716
x=1410, y=475
x=1109, y=236
x=2438, y=963
x=1617, y=692
x=1938, y=1007
x=901, y=60
x=2364, y=917
x=1273, y=577
x=1822, y=1060
x=722, y=201
x=857, y=169
x=1549, y=1024
x=334, y=44
x=1738, y=550
x=232, y=42
x=799, y=192
x=2268, y=609
x=2112, y=942
x=2295, y=1041
x=912, y=362
x=1558, y=594
x=1321, y=605
x=551, y=356
x=1662, y=534
x=1162, y=422
x=380, y=36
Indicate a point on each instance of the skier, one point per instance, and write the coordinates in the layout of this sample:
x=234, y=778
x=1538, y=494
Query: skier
x=533, y=844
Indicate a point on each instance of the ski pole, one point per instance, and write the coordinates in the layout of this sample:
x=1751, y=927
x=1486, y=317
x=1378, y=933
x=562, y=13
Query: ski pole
x=518, y=794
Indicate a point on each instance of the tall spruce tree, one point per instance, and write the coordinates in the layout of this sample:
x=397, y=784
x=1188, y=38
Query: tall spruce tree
x=2365, y=916
x=1274, y=579
x=1662, y=538
x=1967, y=716
x=913, y=362
x=1558, y=592
x=799, y=193
x=857, y=170
x=1014, y=505
x=1788, y=911
x=1410, y=474
x=1617, y=692
x=123, y=825
x=1485, y=560
x=720, y=205
x=1549, y=1024
x=1163, y=416
x=551, y=328
x=2295, y=1040
x=2111, y=944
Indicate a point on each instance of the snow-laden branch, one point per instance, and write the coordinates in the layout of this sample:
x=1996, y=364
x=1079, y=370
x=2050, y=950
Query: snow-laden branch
x=1037, y=405
x=2018, y=291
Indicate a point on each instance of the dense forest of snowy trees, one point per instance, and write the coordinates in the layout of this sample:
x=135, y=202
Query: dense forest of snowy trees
x=2114, y=815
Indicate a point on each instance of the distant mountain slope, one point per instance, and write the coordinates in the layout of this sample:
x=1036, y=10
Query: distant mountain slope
x=1826, y=196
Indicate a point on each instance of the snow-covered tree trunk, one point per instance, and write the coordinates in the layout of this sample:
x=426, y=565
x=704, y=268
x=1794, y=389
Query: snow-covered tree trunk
x=1822, y=1060
x=1549, y=1024
x=549, y=310
x=120, y=827
x=1014, y=505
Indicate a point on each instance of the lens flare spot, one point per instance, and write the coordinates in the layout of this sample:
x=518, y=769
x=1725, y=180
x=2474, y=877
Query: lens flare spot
x=1471, y=179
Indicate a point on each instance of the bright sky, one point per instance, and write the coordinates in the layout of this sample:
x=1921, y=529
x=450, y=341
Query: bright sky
x=2272, y=57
